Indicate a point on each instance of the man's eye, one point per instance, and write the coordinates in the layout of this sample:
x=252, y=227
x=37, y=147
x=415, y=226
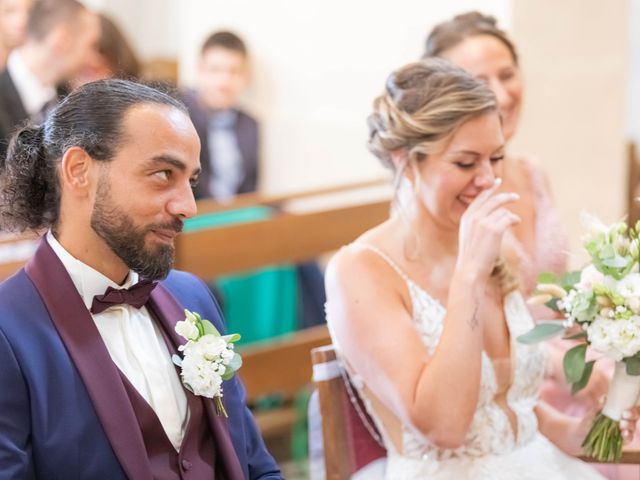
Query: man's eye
x=163, y=174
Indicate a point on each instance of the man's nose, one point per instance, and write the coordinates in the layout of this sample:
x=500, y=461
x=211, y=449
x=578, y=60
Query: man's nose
x=183, y=204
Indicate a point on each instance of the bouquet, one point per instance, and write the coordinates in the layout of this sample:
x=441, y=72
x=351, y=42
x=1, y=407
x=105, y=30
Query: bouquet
x=209, y=358
x=601, y=309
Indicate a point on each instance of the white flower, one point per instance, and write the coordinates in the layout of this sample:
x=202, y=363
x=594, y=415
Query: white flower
x=629, y=286
x=615, y=338
x=589, y=277
x=187, y=329
x=633, y=303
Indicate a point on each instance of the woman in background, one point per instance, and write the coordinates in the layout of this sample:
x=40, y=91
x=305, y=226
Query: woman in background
x=112, y=57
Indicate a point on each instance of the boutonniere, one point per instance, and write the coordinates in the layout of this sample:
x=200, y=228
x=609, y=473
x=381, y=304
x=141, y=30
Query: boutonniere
x=208, y=358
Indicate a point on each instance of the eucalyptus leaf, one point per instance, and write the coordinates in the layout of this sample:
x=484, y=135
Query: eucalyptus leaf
x=553, y=304
x=577, y=336
x=570, y=279
x=574, y=362
x=542, y=331
x=586, y=375
x=633, y=365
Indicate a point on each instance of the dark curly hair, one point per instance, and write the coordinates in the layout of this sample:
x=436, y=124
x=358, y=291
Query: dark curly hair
x=89, y=118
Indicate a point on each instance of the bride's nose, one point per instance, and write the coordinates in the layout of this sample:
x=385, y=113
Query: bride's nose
x=485, y=176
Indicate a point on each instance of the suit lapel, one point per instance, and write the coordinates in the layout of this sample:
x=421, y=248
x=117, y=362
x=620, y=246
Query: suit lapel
x=91, y=358
x=169, y=311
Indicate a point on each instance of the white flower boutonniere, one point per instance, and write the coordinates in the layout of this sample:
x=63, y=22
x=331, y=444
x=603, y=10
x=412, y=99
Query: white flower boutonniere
x=209, y=358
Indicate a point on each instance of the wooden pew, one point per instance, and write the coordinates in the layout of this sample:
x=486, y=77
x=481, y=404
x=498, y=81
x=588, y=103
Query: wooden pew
x=281, y=365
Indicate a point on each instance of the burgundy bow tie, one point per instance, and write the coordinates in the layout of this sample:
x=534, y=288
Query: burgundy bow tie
x=136, y=296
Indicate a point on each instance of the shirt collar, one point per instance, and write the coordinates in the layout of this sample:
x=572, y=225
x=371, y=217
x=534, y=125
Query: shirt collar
x=88, y=281
x=33, y=93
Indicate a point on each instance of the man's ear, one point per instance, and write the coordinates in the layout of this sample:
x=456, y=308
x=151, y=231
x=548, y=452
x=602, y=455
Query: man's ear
x=77, y=172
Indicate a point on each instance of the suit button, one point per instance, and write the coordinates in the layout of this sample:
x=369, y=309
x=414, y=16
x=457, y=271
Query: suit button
x=186, y=464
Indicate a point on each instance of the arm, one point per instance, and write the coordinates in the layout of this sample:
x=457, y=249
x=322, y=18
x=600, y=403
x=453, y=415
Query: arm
x=370, y=315
x=15, y=446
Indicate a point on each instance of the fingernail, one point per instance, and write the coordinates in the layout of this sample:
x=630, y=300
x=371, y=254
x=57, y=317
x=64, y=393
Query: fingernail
x=498, y=181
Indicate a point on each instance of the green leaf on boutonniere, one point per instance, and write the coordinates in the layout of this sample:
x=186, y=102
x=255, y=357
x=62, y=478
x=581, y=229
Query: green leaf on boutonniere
x=542, y=331
x=209, y=329
x=232, y=337
x=574, y=363
x=177, y=360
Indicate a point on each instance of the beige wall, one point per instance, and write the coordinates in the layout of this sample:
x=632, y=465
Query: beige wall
x=317, y=67
x=574, y=56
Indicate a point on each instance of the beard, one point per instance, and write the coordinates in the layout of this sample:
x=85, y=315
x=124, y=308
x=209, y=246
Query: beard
x=127, y=241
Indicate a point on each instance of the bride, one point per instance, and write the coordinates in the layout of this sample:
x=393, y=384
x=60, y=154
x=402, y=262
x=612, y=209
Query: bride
x=423, y=311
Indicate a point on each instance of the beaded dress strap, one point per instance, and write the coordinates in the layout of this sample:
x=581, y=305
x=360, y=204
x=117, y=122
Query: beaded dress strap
x=387, y=259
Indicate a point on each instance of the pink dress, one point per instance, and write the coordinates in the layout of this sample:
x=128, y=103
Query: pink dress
x=550, y=254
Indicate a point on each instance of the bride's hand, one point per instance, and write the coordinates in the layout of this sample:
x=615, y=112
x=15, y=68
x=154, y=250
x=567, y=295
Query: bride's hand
x=628, y=424
x=481, y=229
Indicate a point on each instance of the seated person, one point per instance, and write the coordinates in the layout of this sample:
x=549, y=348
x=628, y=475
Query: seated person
x=423, y=309
x=230, y=145
x=229, y=136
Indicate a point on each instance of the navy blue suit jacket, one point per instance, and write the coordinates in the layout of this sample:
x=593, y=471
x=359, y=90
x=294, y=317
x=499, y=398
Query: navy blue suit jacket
x=50, y=425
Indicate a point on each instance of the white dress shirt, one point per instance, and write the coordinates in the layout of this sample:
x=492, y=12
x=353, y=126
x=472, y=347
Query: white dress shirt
x=135, y=344
x=33, y=93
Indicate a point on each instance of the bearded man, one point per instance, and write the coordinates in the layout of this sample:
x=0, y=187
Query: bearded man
x=88, y=389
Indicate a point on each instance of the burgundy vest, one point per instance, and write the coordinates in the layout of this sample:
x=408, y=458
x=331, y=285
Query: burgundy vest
x=197, y=456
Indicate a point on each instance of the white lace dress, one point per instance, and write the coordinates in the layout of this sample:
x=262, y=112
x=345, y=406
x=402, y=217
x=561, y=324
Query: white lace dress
x=490, y=451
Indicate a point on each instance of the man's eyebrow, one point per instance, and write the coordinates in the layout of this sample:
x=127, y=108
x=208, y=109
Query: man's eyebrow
x=173, y=161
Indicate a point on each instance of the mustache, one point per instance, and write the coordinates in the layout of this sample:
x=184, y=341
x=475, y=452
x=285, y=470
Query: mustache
x=176, y=225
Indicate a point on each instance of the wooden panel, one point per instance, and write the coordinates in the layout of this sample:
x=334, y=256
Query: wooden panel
x=254, y=199
x=284, y=238
x=280, y=365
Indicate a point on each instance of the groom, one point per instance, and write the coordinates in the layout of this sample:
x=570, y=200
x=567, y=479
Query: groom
x=87, y=387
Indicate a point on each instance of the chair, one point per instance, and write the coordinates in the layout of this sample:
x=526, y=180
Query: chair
x=350, y=439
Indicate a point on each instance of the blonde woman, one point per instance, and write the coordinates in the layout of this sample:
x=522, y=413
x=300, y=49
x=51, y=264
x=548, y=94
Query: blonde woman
x=423, y=311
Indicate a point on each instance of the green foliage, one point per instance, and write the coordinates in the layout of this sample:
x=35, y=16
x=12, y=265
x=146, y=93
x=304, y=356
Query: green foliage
x=584, y=379
x=574, y=363
x=542, y=331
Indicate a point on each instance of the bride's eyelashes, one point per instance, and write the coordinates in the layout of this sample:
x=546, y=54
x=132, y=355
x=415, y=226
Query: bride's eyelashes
x=469, y=165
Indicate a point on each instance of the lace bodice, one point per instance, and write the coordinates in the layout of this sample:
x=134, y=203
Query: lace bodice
x=490, y=431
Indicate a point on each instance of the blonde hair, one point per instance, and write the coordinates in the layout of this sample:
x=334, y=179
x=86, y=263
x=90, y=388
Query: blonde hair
x=422, y=107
